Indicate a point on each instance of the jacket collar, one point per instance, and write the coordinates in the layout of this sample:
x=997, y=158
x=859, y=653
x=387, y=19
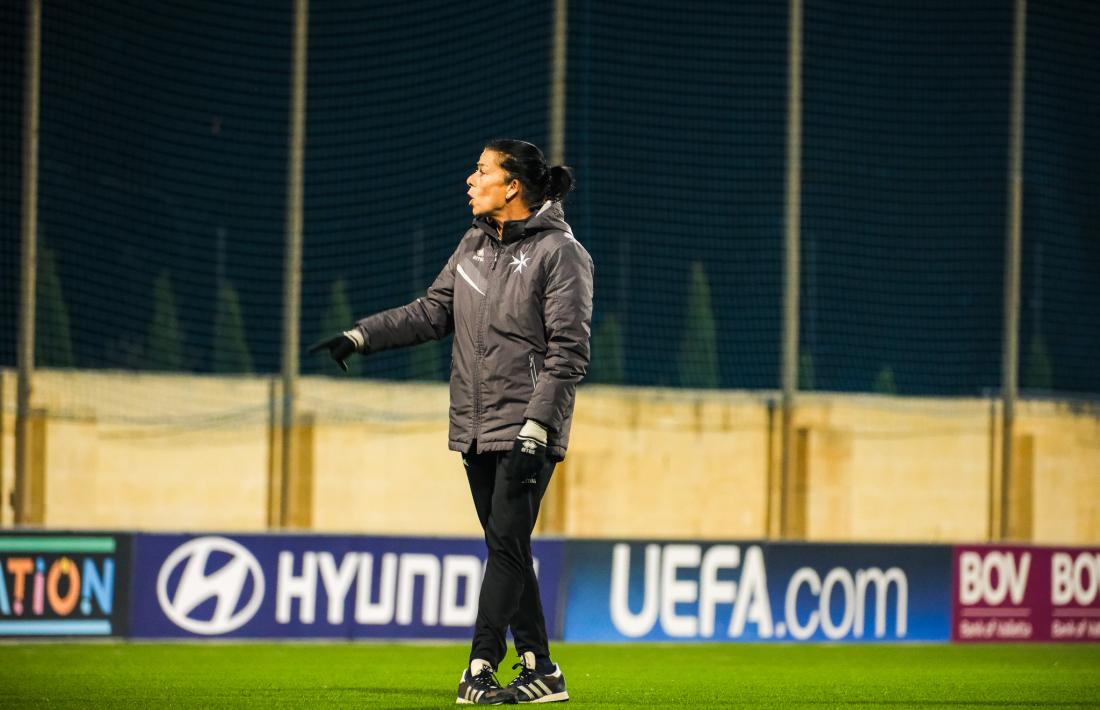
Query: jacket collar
x=549, y=216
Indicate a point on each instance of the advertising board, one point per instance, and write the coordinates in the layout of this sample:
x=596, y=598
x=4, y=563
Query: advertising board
x=1012, y=593
x=327, y=586
x=317, y=586
x=754, y=591
x=60, y=584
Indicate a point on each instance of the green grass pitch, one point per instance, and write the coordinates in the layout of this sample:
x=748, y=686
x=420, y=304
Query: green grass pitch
x=395, y=675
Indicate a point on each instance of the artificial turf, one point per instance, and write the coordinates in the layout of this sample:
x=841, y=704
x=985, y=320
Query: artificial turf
x=390, y=675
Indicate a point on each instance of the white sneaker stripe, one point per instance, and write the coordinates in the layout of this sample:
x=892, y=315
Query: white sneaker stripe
x=528, y=692
x=479, y=694
x=542, y=685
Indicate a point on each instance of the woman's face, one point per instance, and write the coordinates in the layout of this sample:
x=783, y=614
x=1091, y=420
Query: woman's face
x=489, y=193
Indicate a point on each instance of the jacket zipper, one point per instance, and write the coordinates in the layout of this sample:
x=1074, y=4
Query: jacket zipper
x=534, y=372
x=480, y=341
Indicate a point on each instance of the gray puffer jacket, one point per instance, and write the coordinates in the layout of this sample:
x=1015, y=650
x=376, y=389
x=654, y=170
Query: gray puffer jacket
x=520, y=308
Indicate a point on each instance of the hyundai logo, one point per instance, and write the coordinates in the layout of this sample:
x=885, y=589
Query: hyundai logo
x=225, y=584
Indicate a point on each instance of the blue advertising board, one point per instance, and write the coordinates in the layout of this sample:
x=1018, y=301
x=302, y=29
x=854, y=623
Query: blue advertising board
x=755, y=591
x=317, y=586
x=63, y=584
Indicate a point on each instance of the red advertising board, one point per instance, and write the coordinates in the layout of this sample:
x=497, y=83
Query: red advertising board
x=1005, y=593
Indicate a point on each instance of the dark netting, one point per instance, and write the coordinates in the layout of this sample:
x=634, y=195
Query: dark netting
x=904, y=195
x=1060, y=287
x=163, y=163
x=402, y=97
x=676, y=125
x=12, y=47
x=164, y=157
x=162, y=160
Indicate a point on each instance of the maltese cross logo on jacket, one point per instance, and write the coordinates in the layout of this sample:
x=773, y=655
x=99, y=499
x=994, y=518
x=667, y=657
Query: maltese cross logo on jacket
x=519, y=262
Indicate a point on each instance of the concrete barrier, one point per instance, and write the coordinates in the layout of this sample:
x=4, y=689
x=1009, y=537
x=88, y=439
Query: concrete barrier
x=173, y=452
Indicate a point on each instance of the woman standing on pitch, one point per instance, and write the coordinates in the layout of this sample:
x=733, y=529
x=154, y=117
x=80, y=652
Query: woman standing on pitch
x=517, y=294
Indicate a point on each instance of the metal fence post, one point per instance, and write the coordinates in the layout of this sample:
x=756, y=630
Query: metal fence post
x=557, y=82
x=1010, y=341
x=791, y=273
x=292, y=277
x=22, y=499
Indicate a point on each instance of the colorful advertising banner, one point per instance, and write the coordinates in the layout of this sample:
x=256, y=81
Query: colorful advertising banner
x=745, y=591
x=326, y=586
x=317, y=586
x=1007, y=593
x=61, y=584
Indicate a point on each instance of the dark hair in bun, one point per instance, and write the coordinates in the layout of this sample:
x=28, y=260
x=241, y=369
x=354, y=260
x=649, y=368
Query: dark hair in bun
x=526, y=163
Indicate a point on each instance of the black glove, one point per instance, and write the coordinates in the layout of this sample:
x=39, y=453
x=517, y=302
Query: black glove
x=528, y=457
x=340, y=348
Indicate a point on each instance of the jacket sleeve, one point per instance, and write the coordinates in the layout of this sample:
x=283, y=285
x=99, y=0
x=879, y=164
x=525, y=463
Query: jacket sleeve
x=429, y=317
x=567, y=314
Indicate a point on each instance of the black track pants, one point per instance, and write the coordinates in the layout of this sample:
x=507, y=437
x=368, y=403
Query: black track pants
x=509, y=590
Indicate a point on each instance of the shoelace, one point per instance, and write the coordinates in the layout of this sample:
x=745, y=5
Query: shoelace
x=485, y=680
x=525, y=675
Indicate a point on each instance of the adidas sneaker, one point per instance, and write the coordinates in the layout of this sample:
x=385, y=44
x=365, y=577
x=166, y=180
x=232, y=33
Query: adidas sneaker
x=530, y=686
x=479, y=686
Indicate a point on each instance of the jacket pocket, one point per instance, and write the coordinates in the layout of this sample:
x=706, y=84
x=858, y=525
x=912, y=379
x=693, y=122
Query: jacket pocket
x=534, y=370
